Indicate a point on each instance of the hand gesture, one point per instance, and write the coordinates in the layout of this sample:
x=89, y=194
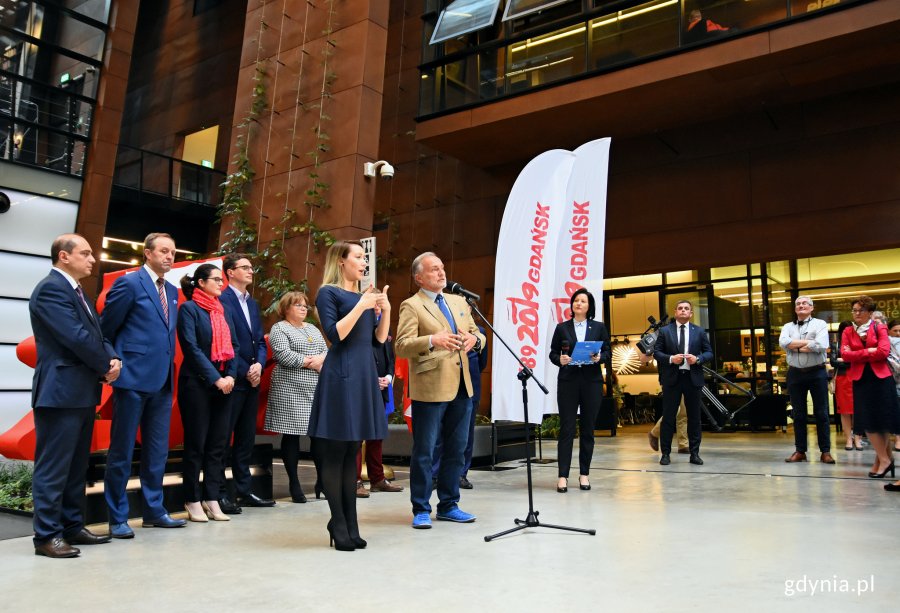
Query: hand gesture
x=447, y=340
x=469, y=341
x=691, y=358
x=382, y=300
x=678, y=359
x=369, y=298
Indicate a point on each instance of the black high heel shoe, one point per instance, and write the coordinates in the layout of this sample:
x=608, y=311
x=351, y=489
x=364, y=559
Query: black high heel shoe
x=892, y=487
x=298, y=497
x=584, y=486
x=563, y=489
x=337, y=542
x=319, y=490
x=882, y=475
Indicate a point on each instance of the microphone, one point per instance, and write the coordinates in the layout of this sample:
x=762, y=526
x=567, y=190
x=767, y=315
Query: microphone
x=455, y=288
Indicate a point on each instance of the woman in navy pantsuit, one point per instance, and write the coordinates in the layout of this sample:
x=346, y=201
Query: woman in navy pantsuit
x=206, y=378
x=578, y=386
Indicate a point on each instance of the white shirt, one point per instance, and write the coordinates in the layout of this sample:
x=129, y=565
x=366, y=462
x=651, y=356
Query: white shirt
x=687, y=343
x=580, y=330
x=242, y=300
x=812, y=329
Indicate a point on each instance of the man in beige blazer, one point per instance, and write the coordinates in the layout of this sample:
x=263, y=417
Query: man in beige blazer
x=435, y=332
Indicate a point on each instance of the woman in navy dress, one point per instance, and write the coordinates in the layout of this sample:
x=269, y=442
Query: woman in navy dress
x=347, y=407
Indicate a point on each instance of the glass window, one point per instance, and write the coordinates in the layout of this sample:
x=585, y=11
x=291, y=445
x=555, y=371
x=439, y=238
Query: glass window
x=728, y=272
x=850, y=266
x=518, y=8
x=779, y=271
x=698, y=302
x=628, y=312
x=629, y=282
x=681, y=276
x=464, y=16
x=95, y=9
x=833, y=305
x=732, y=304
x=546, y=58
x=637, y=32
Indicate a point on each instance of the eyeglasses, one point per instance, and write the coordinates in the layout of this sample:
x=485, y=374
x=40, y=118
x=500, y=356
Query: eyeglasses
x=300, y=306
x=246, y=267
x=218, y=280
x=855, y=311
x=804, y=303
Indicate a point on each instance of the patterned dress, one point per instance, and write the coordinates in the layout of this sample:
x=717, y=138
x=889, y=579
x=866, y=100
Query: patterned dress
x=292, y=389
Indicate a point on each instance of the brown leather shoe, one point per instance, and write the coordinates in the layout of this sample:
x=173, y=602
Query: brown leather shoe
x=361, y=491
x=654, y=441
x=86, y=537
x=56, y=548
x=827, y=458
x=385, y=486
x=796, y=457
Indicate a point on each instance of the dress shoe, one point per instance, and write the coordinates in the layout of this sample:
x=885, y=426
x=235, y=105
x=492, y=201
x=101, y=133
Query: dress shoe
x=562, y=489
x=164, y=521
x=684, y=450
x=56, y=548
x=695, y=459
x=654, y=441
x=121, y=531
x=797, y=456
x=228, y=506
x=664, y=459
x=200, y=518
x=465, y=483
x=892, y=487
x=86, y=537
x=826, y=458
x=254, y=501
x=299, y=498
x=586, y=485
x=386, y=486
x=361, y=491
x=213, y=513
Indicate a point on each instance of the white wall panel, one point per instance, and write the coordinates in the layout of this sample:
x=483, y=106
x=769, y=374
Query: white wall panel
x=33, y=222
x=15, y=323
x=13, y=374
x=13, y=407
x=22, y=273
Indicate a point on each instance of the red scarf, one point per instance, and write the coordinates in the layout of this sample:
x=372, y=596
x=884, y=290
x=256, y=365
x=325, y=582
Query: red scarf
x=221, y=350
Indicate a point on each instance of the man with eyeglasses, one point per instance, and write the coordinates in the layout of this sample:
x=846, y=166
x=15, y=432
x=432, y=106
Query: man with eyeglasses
x=251, y=357
x=139, y=319
x=805, y=344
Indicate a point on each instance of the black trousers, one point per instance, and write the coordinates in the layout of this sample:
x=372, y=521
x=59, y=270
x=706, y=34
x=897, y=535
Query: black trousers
x=62, y=448
x=205, y=414
x=571, y=394
x=244, y=407
x=672, y=395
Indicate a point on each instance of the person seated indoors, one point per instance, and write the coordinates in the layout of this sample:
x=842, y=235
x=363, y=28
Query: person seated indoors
x=700, y=28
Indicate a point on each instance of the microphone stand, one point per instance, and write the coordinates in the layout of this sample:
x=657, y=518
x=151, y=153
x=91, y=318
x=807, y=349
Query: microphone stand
x=531, y=520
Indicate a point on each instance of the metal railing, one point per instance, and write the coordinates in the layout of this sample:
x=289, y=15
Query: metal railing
x=162, y=175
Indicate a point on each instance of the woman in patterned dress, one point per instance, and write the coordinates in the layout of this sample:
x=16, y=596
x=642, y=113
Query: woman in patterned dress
x=299, y=351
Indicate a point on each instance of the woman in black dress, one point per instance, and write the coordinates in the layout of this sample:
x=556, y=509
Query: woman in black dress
x=347, y=407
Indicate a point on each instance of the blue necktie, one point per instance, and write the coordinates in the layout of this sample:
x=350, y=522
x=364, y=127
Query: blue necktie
x=443, y=307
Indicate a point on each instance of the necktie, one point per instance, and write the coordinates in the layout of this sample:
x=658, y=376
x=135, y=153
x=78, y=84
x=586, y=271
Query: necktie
x=443, y=307
x=83, y=301
x=681, y=347
x=161, y=286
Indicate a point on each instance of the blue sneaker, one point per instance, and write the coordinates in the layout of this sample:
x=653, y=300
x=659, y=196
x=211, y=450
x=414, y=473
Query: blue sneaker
x=421, y=521
x=121, y=531
x=457, y=515
x=164, y=521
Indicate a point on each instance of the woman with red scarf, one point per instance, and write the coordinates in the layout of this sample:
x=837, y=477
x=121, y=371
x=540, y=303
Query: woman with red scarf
x=207, y=339
x=865, y=346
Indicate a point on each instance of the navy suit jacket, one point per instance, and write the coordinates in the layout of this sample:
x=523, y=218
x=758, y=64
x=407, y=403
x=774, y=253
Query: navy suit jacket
x=133, y=320
x=72, y=354
x=596, y=331
x=251, y=341
x=384, y=363
x=667, y=346
x=195, y=338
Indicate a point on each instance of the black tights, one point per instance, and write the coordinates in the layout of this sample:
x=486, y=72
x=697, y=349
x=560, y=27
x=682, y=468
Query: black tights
x=336, y=463
x=290, y=453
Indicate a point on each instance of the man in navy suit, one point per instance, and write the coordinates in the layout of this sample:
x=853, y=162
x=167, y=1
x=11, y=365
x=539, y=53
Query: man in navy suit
x=250, y=358
x=73, y=359
x=139, y=319
x=681, y=350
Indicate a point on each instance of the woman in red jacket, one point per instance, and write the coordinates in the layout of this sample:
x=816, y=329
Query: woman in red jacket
x=865, y=346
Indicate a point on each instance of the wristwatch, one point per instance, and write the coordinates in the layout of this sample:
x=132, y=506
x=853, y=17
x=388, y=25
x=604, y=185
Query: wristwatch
x=477, y=346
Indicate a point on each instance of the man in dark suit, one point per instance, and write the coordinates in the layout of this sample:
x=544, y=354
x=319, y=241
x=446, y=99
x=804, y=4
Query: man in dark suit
x=250, y=358
x=384, y=366
x=72, y=360
x=681, y=350
x=139, y=319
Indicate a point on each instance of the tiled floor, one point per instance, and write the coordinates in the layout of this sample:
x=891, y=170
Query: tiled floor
x=744, y=532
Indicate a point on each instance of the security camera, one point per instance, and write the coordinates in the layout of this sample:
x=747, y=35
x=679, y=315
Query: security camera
x=381, y=167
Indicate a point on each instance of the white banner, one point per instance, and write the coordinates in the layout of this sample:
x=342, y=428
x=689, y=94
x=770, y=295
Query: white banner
x=551, y=243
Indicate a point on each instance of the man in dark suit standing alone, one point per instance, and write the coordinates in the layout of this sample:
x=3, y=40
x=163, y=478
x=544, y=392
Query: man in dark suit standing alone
x=139, y=319
x=250, y=357
x=681, y=350
x=72, y=360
